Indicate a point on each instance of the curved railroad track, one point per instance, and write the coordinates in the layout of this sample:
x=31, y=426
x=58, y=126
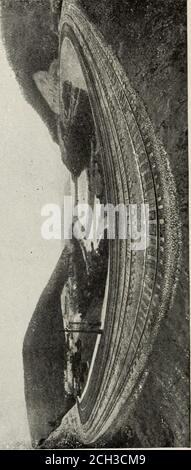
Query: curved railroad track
x=140, y=284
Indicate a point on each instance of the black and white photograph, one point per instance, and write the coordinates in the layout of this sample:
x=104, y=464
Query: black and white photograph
x=94, y=190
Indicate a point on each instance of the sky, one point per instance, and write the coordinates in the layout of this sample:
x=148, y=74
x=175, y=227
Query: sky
x=31, y=175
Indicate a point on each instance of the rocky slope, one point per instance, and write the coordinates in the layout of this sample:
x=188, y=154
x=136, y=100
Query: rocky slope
x=149, y=39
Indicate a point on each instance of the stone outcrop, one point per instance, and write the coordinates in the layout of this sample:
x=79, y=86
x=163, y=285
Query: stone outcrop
x=48, y=85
